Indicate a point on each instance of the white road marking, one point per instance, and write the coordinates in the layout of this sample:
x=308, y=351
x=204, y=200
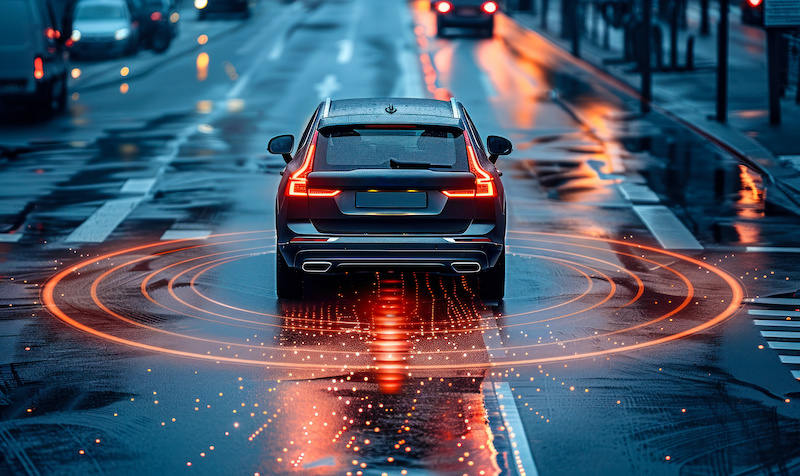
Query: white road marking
x=185, y=235
x=638, y=193
x=784, y=345
x=138, y=186
x=771, y=249
x=780, y=334
x=103, y=221
x=10, y=237
x=790, y=359
x=666, y=228
x=523, y=458
x=774, y=313
x=775, y=323
x=774, y=301
x=327, y=87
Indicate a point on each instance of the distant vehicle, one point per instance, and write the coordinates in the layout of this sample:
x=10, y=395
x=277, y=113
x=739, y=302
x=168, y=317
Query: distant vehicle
x=390, y=183
x=103, y=28
x=33, y=57
x=752, y=12
x=207, y=7
x=157, y=21
x=477, y=15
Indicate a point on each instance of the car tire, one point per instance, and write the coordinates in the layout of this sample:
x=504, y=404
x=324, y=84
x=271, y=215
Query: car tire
x=288, y=281
x=492, y=282
x=160, y=39
x=61, y=98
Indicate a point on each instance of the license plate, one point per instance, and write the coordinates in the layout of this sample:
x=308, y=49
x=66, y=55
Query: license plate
x=391, y=199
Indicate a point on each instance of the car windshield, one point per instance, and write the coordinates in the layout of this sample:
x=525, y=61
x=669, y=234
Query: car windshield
x=387, y=147
x=99, y=12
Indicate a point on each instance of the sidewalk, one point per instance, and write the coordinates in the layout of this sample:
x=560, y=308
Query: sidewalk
x=688, y=97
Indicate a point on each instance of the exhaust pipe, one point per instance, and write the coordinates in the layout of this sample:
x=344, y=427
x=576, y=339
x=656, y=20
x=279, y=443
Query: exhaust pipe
x=316, y=266
x=466, y=267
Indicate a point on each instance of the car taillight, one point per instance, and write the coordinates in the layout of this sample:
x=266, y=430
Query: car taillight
x=754, y=3
x=484, y=183
x=444, y=7
x=38, y=68
x=155, y=16
x=52, y=33
x=489, y=7
x=298, y=181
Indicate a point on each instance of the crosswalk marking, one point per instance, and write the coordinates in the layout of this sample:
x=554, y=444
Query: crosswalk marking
x=775, y=313
x=185, y=235
x=667, y=229
x=103, y=221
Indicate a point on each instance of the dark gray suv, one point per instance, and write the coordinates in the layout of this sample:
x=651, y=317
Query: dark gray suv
x=390, y=183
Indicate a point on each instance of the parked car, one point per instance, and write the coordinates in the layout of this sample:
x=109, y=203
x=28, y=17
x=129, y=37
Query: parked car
x=390, y=183
x=477, y=15
x=207, y=7
x=103, y=28
x=157, y=21
x=33, y=57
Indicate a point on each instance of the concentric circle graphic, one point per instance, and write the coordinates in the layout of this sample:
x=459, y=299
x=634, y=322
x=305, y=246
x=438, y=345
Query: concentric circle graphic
x=567, y=298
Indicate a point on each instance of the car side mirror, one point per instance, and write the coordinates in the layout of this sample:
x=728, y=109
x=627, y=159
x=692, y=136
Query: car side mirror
x=498, y=146
x=282, y=145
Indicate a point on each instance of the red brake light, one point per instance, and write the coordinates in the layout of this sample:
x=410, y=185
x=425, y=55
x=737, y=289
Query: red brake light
x=754, y=3
x=52, y=33
x=484, y=183
x=444, y=7
x=38, y=68
x=489, y=7
x=298, y=181
x=155, y=16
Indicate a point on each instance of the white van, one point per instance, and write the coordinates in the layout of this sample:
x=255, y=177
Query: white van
x=33, y=58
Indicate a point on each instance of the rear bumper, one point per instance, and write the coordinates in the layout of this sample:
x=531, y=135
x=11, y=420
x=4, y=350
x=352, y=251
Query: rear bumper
x=466, y=21
x=443, y=255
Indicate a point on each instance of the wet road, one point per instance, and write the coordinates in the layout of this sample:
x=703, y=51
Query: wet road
x=648, y=321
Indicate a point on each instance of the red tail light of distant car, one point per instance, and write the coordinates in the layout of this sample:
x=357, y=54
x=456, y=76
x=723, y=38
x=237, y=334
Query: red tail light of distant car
x=444, y=7
x=489, y=7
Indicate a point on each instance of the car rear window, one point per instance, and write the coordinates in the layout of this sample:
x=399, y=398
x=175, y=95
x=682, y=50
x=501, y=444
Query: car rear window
x=16, y=23
x=352, y=148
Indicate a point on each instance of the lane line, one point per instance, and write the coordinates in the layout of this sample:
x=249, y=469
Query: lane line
x=771, y=249
x=774, y=301
x=666, y=228
x=409, y=83
x=10, y=237
x=185, y=235
x=103, y=221
x=790, y=359
x=784, y=345
x=345, y=51
x=776, y=323
x=138, y=186
x=770, y=312
x=523, y=458
x=488, y=87
x=780, y=334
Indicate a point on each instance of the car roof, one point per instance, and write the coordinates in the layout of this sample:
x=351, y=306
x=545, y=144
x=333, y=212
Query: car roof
x=376, y=111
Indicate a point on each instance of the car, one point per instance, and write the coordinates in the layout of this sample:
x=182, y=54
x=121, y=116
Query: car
x=33, y=56
x=477, y=15
x=103, y=28
x=393, y=183
x=207, y=7
x=157, y=21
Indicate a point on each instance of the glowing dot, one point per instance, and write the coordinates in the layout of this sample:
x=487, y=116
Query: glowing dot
x=123, y=88
x=124, y=71
x=75, y=73
x=202, y=39
x=667, y=457
x=761, y=346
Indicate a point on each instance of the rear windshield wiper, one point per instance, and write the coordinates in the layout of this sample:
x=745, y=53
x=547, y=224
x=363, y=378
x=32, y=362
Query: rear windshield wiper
x=414, y=165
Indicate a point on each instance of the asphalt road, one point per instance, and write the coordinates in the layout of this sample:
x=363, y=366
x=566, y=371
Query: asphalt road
x=648, y=325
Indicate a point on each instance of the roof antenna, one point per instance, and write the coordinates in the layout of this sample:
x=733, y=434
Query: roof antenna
x=391, y=109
